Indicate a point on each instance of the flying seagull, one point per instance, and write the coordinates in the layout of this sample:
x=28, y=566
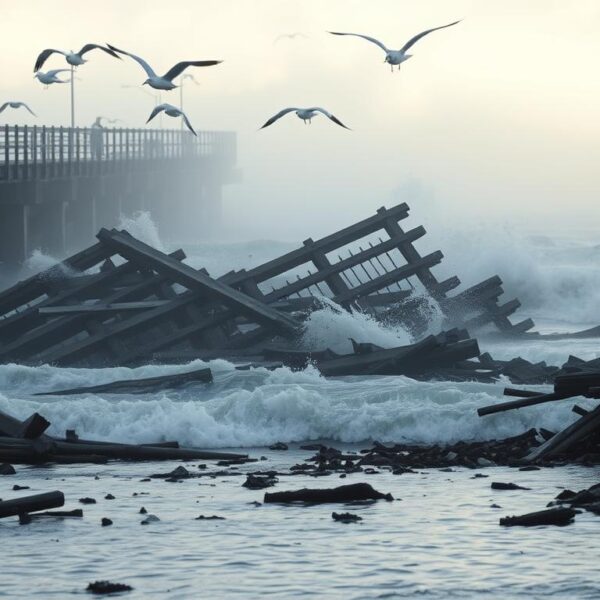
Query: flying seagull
x=165, y=82
x=290, y=36
x=306, y=114
x=396, y=57
x=51, y=76
x=16, y=105
x=172, y=111
x=73, y=58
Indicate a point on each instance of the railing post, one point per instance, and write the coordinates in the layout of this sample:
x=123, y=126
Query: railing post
x=6, y=174
x=44, y=152
x=61, y=151
x=25, y=153
x=34, y=151
x=16, y=163
x=77, y=150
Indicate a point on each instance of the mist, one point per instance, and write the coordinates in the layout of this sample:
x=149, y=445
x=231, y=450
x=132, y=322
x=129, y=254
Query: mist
x=495, y=120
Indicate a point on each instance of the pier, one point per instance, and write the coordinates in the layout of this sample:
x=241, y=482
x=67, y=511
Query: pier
x=59, y=185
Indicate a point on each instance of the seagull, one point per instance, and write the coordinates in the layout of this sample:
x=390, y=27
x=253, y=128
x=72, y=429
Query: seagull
x=73, y=58
x=290, y=36
x=16, y=105
x=172, y=111
x=50, y=77
x=306, y=114
x=396, y=57
x=165, y=82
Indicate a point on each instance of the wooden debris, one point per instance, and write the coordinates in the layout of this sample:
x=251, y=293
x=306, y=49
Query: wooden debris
x=344, y=493
x=552, y=516
x=28, y=504
x=146, y=385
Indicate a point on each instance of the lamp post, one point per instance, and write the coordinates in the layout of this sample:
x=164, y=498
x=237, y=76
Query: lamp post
x=181, y=82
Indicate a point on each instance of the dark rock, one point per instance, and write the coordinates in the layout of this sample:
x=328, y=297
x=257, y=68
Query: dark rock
x=499, y=485
x=17, y=488
x=566, y=495
x=143, y=511
x=6, y=469
x=345, y=517
x=150, y=519
x=552, y=516
x=109, y=497
x=278, y=446
x=479, y=476
x=529, y=468
x=87, y=500
x=343, y=493
x=106, y=522
x=256, y=482
x=211, y=518
x=178, y=473
x=107, y=587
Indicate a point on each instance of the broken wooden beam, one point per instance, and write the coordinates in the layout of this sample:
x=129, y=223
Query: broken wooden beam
x=27, y=504
x=189, y=277
x=145, y=385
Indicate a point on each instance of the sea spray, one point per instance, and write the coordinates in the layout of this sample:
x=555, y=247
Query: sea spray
x=332, y=327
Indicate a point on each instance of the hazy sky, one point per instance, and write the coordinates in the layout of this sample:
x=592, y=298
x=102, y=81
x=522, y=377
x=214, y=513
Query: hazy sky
x=499, y=116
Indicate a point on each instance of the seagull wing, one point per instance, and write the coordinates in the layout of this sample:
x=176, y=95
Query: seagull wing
x=278, y=116
x=329, y=116
x=365, y=37
x=89, y=47
x=55, y=72
x=417, y=37
x=187, y=122
x=157, y=109
x=4, y=106
x=149, y=71
x=43, y=57
x=27, y=107
x=182, y=66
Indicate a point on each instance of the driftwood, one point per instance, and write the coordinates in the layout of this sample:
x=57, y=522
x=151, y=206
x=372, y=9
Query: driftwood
x=344, y=493
x=140, y=386
x=27, y=504
x=552, y=516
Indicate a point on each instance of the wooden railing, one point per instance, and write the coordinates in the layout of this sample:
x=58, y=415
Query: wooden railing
x=29, y=153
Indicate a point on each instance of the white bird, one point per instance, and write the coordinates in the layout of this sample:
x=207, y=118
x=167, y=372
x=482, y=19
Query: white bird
x=290, y=36
x=50, y=77
x=16, y=105
x=396, y=57
x=165, y=82
x=73, y=58
x=306, y=114
x=172, y=111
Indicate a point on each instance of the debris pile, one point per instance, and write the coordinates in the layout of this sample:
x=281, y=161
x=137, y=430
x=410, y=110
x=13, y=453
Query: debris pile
x=25, y=442
x=122, y=302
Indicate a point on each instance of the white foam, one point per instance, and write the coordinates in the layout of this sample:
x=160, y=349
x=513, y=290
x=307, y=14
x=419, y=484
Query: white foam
x=332, y=327
x=259, y=407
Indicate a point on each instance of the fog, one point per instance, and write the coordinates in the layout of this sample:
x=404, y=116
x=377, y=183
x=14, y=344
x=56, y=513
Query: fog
x=496, y=120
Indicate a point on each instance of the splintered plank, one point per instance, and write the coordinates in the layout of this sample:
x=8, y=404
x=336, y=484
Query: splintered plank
x=327, y=244
x=192, y=279
x=100, y=308
x=563, y=440
x=30, y=289
x=139, y=386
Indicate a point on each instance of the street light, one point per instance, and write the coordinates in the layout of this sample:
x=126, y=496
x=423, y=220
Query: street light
x=181, y=81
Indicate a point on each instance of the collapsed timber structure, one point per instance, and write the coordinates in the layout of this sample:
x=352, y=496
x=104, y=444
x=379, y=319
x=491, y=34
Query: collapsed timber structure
x=122, y=302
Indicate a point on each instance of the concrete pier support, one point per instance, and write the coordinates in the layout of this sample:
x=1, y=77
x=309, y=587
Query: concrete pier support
x=14, y=234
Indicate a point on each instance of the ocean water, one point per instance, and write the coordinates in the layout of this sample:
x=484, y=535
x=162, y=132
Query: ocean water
x=441, y=540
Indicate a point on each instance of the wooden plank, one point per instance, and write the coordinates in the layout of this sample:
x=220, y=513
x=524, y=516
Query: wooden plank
x=327, y=244
x=188, y=277
x=101, y=307
x=28, y=290
x=563, y=440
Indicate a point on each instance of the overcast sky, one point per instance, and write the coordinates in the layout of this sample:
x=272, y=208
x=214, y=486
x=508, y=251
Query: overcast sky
x=497, y=117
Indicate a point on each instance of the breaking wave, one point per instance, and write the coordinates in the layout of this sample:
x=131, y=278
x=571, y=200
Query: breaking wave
x=259, y=407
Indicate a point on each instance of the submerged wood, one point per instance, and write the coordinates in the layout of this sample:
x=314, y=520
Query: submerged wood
x=343, y=493
x=27, y=504
x=140, y=386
